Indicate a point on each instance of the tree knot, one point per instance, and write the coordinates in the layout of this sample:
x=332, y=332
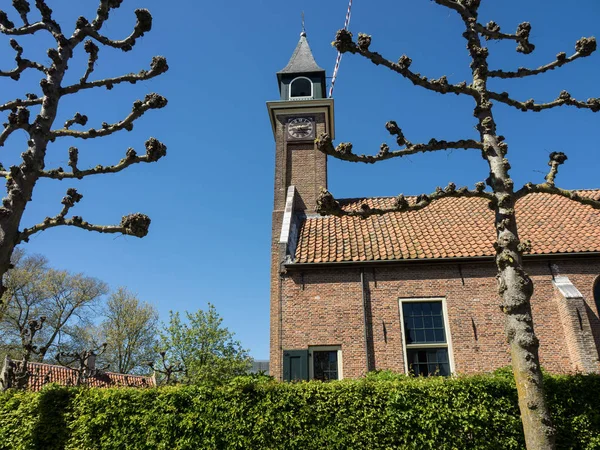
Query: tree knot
x=135, y=224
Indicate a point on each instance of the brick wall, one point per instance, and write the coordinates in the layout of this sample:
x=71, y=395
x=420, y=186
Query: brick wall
x=325, y=307
x=299, y=164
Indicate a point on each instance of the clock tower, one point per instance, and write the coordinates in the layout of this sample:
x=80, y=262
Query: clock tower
x=301, y=114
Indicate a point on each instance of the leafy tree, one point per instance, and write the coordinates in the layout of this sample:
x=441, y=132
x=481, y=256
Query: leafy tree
x=58, y=299
x=514, y=285
x=204, y=349
x=130, y=332
x=35, y=114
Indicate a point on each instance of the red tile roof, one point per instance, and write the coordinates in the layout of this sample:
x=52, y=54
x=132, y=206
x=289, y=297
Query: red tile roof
x=42, y=374
x=448, y=228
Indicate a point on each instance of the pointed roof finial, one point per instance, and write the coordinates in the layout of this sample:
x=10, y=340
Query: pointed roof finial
x=302, y=60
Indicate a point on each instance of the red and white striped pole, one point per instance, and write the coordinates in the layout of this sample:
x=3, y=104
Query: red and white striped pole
x=339, y=55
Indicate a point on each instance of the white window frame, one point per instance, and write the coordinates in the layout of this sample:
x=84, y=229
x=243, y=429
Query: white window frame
x=312, y=90
x=448, y=343
x=324, y=348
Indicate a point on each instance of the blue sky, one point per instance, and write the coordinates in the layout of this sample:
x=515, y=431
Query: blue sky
x=210, y=199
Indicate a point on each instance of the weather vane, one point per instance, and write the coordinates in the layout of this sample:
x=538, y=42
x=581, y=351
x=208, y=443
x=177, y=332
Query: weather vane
x=303, y=25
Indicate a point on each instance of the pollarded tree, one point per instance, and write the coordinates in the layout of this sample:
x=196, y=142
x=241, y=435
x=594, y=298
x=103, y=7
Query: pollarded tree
x=36, y=114
x=514, y=285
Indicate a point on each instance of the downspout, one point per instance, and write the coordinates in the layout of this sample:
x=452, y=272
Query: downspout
x=364, y=298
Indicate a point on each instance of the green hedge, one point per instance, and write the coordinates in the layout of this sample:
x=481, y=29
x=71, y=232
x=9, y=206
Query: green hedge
x=378, y=412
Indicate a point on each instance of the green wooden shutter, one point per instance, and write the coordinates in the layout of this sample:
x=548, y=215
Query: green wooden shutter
x=295, y=365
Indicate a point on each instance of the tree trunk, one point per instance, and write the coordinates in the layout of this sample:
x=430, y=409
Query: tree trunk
x=514, y=285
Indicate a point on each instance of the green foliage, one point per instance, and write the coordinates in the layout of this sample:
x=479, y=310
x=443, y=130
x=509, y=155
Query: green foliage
x=203, y=347
x=380, y=411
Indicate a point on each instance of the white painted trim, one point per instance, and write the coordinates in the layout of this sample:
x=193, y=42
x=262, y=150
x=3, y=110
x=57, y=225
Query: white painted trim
x=304, y=97
x=311, y=369
x=284, y=107
x=448, y=343
x=286, y=223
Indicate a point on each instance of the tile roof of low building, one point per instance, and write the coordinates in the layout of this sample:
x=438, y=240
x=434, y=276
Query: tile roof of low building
x=42, y=374
x=447, y=228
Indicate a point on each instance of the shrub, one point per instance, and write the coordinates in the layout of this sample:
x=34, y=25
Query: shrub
x=380, y=411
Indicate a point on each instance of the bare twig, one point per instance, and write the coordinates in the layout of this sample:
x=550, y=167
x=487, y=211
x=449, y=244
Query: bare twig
x=142, y=25
x=17, y=120
x=154, y=151
x=157, y=67
x=593, y=104
x=556, y=159
x=344, y=150
x=344, y=43
x=328, y=205
x=584, y=47
x=22, y=64
x=132, y=225
x=492, y=31
x=151, y=101
x=92, y=50
x=32, y=100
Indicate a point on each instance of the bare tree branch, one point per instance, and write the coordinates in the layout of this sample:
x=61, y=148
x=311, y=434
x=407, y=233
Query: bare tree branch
x=142, y=25
x=453, y=4
x=556, y=159
x=22, y=63
x=328, y=205
x=92, y=50
x=132, y=225
x=17, y=120
x=492, y=31
x=593, y=104
x=157, y=67
x=32, y=100
x=344, y=150
x=584, y=47
x=151, y=101
x=344, y=43
x=154, y=151
x=103, y=12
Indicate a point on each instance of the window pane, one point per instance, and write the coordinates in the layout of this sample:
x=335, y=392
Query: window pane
x=325, y=365
x=428, y=362
x=301, y=87
x=423, y=322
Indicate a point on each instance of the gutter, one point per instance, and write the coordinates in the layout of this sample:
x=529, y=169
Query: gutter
x=462, y=259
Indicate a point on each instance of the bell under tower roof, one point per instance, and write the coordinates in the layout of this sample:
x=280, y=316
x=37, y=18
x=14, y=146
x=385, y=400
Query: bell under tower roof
x=302, y=60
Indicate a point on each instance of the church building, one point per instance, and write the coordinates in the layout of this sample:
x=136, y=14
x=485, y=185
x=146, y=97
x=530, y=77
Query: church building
x=412, y=292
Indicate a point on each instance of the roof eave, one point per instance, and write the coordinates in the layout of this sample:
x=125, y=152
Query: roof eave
x=456, y=260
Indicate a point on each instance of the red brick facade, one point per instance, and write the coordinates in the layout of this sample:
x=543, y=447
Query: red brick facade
x=325, y=307
x=338, y=282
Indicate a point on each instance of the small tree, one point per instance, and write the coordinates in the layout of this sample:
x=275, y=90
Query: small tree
x=33, y=291
x=514, y=285
x=40, y=128
x=129, y=330
x=202, y=347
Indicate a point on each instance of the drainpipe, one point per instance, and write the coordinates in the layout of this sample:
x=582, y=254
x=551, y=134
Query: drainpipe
x=364, y=298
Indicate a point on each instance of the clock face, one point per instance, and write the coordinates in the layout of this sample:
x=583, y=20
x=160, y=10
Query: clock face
x=301, y=128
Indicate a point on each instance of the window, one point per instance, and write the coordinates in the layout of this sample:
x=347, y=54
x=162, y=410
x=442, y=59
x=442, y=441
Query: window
x=325, y=363
x=317, y=363
x=301, y=88
x=426, y=343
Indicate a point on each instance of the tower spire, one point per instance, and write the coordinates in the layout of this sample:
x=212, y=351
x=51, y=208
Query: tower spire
x=303, y=34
